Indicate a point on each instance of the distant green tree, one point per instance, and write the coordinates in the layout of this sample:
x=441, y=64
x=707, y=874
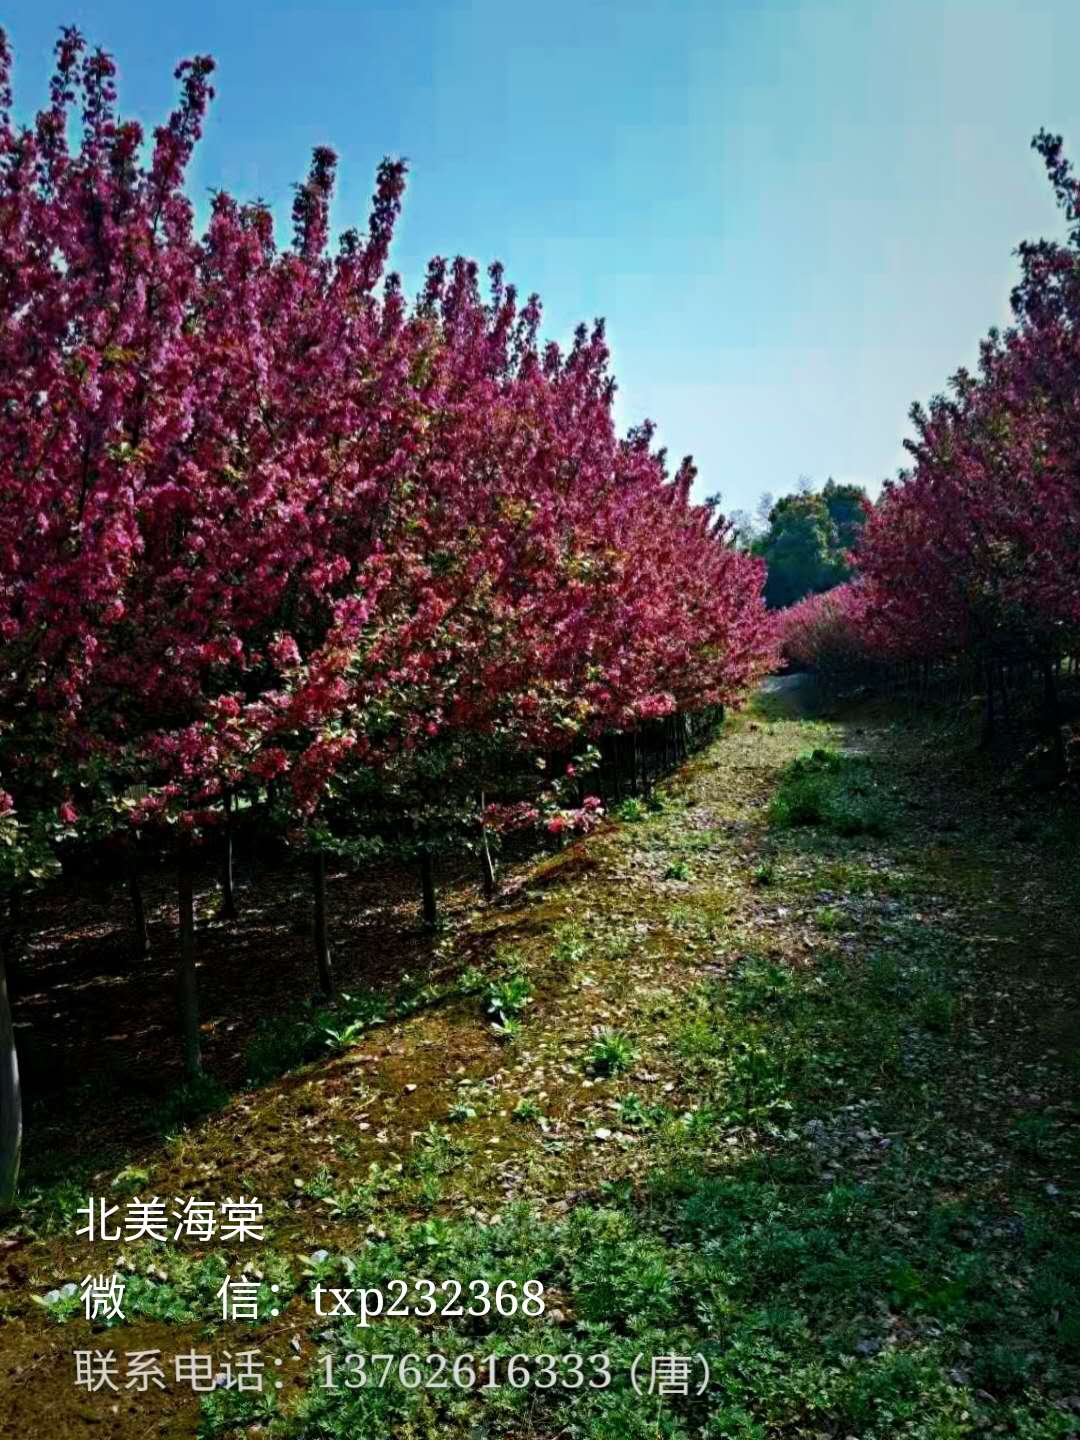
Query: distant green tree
x=847, y=506
x=807, y=539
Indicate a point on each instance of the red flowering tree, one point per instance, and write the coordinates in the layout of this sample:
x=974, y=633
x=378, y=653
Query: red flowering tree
x=975, y=549
x=266, y=529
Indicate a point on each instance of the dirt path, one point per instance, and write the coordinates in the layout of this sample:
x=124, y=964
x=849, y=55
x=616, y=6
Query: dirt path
x=781, y=1071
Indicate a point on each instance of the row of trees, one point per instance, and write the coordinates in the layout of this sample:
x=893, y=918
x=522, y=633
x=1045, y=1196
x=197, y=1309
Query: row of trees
x=273, y=535
x=833, y=635
x=975, y=549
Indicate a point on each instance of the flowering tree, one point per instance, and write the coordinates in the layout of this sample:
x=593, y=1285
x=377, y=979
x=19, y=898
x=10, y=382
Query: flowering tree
x=174, y=490
x=830, y=632
x=975, y=549
x=269, y=531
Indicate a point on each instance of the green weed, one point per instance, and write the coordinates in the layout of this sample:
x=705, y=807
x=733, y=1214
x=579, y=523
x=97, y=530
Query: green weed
x=611, y=1053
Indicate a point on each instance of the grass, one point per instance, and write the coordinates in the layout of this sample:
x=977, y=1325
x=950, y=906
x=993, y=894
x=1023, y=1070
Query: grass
x=783, y=1264
x=287, y=1041
x=798, y=1120
x=837, y=792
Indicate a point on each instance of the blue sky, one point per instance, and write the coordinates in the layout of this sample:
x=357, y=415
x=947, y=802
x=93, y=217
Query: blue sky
x=796, y=217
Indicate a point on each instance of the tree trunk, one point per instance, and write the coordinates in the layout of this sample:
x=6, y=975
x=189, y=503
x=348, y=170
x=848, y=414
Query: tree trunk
x=323, y=958
x=187, y=983
x=488, y=878
x=487, y=867
x=228, y=894
x=427, y=886
x=138, y=909
x=10, y=1098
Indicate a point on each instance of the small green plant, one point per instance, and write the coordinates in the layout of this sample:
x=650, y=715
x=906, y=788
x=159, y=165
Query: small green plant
x=320, y=1266
x=757, y=1084
x=283, y=1042
x=760, y=986
x=611, y=1053
x=829, y=918
x=678, y=870
x=232, y=1412
x=470, y=981
x=763, y=874
x=434, y=1152
x=631, y=810
x=687, y=919
x=189, y=1103
x=347, y=1036
x=60, y=1304
x=321, y=1185
x=884, y=976
x=507, y=1029
x=507, y=998
x=571, y=946
x=528, y=1112
x=52, y=1209
x=412, y=995
x=130, y=1180
x=472, y=1099
x=634, y=1112
x=279, y=1044
x=698, y=1038
x=362, y=1197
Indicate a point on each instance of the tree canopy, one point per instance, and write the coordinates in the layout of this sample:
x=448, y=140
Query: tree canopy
x=808, y=541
